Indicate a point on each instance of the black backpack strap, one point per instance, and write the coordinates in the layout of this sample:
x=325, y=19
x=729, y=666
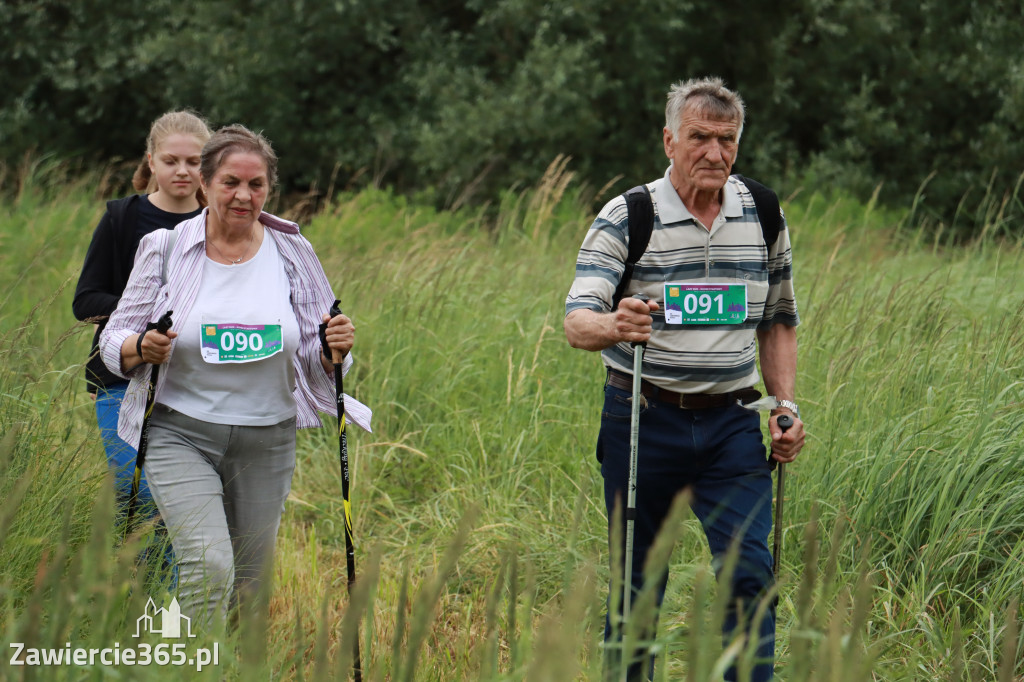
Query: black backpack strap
x=124, y=219
x=640, y=221
x=769, y=213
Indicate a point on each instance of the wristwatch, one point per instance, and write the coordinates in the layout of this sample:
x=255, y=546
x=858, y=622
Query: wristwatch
x=789, y=405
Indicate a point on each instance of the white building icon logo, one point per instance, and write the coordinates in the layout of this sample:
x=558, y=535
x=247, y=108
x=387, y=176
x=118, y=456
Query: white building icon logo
x=169, y=621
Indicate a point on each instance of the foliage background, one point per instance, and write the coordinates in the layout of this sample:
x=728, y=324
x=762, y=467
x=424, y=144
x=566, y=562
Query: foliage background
x=457, y=99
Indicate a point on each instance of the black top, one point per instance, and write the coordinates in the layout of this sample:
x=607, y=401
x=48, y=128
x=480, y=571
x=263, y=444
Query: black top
x=108, y=263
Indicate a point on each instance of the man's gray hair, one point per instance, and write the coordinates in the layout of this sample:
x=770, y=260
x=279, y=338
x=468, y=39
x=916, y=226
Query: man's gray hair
x=709, y=97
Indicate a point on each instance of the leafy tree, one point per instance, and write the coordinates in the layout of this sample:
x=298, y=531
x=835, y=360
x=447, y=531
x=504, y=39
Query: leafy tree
x=462, y=98
x=78, y=75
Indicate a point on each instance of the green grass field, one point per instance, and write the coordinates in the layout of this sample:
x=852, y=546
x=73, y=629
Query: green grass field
x=481, y=541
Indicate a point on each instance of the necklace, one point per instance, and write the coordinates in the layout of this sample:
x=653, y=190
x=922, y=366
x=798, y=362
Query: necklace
x=234, y=261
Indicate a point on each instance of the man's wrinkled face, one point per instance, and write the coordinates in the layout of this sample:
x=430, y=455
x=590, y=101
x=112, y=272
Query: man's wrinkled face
x=702, y=152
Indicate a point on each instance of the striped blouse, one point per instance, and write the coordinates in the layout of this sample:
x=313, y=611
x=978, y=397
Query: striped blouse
x=147, y=298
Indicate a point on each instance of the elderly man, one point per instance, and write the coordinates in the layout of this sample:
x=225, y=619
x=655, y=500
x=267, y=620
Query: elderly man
x=698, y=368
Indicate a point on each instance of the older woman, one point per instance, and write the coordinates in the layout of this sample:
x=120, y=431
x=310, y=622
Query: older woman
x=243, y=367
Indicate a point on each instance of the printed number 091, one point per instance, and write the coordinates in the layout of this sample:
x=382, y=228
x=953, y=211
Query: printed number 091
x=230, y=341
x=701, y=304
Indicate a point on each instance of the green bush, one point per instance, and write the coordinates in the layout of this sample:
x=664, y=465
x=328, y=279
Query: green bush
x=461, y=100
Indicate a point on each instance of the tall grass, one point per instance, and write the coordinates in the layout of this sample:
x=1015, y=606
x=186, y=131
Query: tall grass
x=480, y=528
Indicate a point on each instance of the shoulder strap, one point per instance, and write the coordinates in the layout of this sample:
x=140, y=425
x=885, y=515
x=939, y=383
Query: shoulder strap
x=123, y=214
x=168, y=248
x=124, y=209
x=769, y=213
x=640, y=221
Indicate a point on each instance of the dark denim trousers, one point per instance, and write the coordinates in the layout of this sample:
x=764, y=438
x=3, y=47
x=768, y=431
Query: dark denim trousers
x=719, y=456
x=120, y=455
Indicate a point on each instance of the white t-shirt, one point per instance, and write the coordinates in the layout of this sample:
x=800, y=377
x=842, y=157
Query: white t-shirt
x=232, y=361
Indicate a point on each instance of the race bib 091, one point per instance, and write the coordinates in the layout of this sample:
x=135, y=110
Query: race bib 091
x=698, y=304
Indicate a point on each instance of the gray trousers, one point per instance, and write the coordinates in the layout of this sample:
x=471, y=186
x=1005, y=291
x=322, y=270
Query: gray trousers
x=221, y=491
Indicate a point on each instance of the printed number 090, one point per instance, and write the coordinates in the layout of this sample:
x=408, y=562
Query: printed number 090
x=241, y=341
x=691, y=303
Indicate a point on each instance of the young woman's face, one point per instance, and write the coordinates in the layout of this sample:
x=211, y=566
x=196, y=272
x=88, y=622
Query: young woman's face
x=175, y=165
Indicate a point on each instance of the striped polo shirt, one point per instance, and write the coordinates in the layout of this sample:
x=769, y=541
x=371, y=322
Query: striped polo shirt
x=690, y=359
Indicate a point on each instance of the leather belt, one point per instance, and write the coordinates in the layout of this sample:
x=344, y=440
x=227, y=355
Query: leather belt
x=687, y=401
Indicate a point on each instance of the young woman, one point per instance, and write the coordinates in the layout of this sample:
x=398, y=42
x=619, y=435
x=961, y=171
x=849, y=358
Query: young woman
x=168, y=177
x=243, y=366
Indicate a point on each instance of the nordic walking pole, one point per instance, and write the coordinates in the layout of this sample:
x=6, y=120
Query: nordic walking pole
x=784, y=421
x=350, y=553
x=162, y=325
x=634, y=443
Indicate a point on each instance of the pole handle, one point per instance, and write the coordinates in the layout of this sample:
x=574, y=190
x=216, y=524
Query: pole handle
x=785, y=422
x=163, y=325
x=336, y=356
x=644, y=298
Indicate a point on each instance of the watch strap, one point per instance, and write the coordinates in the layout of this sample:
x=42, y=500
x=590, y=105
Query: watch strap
x=789, y=405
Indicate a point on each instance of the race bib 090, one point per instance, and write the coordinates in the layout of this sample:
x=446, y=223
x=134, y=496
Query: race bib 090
x=233, y=342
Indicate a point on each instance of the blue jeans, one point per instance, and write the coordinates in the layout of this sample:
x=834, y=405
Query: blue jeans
x=719, y=456
x=121, y=460
x=120, y=455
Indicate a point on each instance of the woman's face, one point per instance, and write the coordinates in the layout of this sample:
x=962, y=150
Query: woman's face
x=237, y=191
x=175, y=165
